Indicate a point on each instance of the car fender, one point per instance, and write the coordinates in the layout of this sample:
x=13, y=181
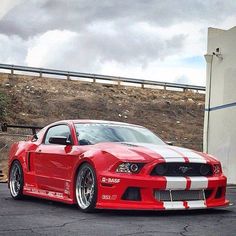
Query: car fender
x=98, y=159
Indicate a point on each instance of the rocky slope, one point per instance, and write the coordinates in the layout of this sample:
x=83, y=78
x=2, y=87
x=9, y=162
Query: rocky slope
x=174, y=116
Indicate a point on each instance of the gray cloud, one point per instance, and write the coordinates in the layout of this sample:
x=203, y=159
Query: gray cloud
x=12, y=50
x=183, y=80
x=123, y=32
x=89, y=50
x=130, y=47
x=118, y=38
x=33, y=17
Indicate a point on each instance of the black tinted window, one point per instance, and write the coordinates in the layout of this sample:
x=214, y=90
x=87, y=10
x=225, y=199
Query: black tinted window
x=59, y=130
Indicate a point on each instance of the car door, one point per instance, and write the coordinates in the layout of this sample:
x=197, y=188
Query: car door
x=53, y=162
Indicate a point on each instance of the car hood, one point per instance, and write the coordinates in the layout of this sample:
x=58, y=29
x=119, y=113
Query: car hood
x=145, y=152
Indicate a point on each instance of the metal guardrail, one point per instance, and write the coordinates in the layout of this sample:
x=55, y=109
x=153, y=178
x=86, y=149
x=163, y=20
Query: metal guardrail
x=95, y=77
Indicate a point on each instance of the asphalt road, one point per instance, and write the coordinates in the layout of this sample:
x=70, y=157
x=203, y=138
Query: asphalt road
x=41, y=217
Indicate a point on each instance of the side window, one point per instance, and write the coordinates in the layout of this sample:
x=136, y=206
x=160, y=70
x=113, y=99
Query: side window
x=59, y=130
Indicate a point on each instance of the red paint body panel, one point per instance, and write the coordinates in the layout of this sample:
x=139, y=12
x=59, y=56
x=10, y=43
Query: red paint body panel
x=50, y=172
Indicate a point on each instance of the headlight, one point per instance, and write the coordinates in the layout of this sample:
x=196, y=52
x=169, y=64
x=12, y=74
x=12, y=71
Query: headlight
x=217, y=169
x=128, y=167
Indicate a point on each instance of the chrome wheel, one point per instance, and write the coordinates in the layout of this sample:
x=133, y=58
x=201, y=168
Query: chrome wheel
x=16, y=180
x=86, y=188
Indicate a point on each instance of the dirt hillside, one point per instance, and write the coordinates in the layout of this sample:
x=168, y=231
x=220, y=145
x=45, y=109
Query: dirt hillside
x=174, y=116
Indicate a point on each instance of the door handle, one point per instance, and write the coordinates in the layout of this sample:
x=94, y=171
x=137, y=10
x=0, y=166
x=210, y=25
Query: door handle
x=39, y=151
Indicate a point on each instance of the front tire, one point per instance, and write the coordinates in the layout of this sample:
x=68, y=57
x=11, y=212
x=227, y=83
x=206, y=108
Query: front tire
x=16, y=180
x=86, y=188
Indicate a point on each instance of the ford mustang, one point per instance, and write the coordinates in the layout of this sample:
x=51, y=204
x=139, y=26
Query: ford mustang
x=113, y=165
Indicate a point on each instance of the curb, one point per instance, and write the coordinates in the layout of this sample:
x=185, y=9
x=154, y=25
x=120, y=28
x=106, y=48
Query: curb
x=230, y=186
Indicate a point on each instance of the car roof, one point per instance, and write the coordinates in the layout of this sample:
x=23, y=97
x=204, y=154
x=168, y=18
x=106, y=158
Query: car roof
x=84, y=121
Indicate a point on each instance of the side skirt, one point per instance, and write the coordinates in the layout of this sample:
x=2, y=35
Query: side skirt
x=45, y=194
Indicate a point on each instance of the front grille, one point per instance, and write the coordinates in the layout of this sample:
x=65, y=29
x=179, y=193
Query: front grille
x=180, y=195
x=182, y=169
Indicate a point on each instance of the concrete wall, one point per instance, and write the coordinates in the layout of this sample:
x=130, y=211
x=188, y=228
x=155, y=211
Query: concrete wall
x=220, y=112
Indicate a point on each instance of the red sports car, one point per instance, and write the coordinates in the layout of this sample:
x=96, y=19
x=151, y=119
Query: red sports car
x=112, y=165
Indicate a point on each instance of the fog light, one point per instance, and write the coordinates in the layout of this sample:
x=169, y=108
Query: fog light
x=205, y=169
x=161, y=169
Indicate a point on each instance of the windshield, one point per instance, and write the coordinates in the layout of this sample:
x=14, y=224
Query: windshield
x=97, y=133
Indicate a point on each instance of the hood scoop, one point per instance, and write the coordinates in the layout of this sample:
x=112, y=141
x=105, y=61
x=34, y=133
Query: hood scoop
x=130, y=144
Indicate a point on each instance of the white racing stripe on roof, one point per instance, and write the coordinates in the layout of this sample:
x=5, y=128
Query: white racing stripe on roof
x=198, y=182
x=173, y=205
x=176, y=183
x=196, y=204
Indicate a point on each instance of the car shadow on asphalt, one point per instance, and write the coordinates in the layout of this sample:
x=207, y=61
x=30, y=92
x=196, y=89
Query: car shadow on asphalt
x=169, y=213
x=130, y=213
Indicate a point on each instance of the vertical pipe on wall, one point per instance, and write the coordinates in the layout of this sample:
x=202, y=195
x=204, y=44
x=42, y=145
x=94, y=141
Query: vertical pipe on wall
x=209, y=60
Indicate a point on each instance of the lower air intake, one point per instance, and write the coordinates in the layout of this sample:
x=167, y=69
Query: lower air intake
x=179, y=195
x=132, y=194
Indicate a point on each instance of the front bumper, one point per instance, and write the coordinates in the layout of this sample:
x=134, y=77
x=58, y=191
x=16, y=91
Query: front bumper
x=112, y=189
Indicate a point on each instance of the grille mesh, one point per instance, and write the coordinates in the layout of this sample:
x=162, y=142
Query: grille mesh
x=179, y=195
x=182, y=169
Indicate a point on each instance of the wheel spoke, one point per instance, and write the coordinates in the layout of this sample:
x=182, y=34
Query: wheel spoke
x=85, y=187
x=15, y=180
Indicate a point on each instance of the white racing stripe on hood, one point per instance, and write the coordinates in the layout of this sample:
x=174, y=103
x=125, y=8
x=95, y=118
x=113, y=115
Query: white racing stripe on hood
x=167, y=154
x=174, y=154
x=174, y=159
x=191, y=155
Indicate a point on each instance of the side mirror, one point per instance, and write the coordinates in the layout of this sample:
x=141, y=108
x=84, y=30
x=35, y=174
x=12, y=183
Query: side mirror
x=59, y=140
x=169, y=143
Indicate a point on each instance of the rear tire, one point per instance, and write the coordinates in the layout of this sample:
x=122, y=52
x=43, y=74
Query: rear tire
x=16, y=180
x=86, y=188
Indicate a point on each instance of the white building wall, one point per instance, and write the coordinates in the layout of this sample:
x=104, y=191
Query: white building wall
x=220, y=112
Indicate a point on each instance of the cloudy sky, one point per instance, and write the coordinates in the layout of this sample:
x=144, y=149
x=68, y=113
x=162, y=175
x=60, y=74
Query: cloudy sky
x=162, y=40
